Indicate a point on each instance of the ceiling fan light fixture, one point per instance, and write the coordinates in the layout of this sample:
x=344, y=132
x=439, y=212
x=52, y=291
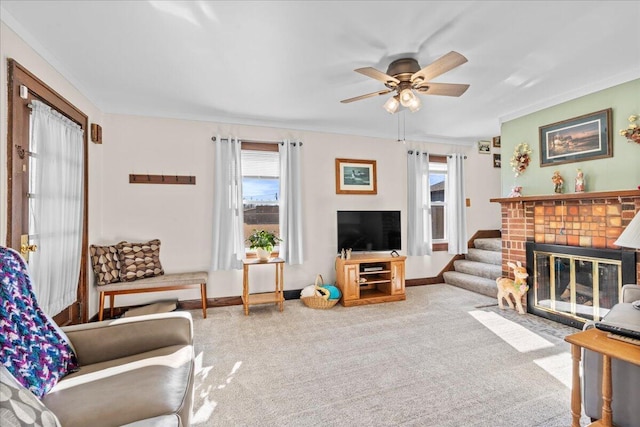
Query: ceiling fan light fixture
x=407, y=97
x=415, y=104
x=392, y=104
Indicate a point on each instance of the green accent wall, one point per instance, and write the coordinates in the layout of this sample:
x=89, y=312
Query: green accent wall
x=620, y=172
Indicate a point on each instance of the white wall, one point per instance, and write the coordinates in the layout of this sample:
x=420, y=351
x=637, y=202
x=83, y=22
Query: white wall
x=180, y=215
x=618, y=172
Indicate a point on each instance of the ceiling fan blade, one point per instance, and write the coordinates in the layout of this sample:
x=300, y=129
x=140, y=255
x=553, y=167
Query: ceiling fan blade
x=441, y=65
x=378, y=75
x=369, y=95
x=446, y=89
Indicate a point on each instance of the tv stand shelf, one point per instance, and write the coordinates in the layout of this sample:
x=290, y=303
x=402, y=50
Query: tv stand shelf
x=370, y=279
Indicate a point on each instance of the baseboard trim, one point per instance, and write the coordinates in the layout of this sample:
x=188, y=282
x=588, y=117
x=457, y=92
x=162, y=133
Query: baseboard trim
x=196, y=304
x=422, y=281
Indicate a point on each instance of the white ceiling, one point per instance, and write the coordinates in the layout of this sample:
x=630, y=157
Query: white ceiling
x=288, y=64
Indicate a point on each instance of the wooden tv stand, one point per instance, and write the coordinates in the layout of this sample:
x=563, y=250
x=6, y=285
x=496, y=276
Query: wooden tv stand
x=370, y=279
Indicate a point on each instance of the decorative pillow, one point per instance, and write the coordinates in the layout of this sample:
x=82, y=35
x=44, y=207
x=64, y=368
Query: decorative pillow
x=139, y=260
x=19, y=407
x=105, y=263
x=31, y=348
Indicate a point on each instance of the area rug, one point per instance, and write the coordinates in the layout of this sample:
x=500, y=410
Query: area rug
x=426, y=361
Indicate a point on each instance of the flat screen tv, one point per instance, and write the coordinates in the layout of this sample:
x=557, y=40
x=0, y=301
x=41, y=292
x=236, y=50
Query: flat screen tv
x=369, y=231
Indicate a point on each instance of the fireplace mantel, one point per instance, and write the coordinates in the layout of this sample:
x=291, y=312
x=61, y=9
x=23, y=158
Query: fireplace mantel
x=571, y=196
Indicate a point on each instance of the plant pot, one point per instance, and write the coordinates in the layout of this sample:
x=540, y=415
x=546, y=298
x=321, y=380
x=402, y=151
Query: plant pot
x=263, y=255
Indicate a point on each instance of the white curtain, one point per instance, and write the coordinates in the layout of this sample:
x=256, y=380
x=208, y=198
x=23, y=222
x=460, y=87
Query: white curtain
x=55, y=206
x=418, y=204
x=291, y=203
x=228, y=232
x=456, y=216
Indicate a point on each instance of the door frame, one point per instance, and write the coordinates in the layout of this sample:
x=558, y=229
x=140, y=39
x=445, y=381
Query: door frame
x=18, y=169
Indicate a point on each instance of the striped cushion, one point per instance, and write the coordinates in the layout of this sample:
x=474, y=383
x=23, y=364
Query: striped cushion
x=171, y=279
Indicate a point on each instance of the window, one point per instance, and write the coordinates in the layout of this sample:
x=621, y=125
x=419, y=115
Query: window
x=437, y=185
x=260, y=187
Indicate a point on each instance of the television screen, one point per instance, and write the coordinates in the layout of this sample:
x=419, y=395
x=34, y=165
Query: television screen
x=365, y=231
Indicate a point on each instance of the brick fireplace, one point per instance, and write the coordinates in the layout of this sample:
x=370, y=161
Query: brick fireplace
x=578, y=220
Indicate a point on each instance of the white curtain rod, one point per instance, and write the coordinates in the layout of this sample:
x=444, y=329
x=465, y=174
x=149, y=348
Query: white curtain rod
x=425, y=153
x=213, y=138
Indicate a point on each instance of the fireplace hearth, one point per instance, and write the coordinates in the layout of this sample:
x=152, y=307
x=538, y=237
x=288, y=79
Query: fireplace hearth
x=571, y=285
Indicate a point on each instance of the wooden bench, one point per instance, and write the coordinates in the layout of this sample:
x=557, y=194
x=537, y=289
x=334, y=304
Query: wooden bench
x=165, y=282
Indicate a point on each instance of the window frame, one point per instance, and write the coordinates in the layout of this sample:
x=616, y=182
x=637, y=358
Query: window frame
x=260, y=146
x=439, y=245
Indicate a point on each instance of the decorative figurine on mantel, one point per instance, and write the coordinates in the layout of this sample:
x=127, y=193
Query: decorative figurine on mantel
x=558, y=182
x=580, y=182
x=516, y=191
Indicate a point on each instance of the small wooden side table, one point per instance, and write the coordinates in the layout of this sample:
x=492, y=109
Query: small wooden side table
x=276, y=297
x=598, y=341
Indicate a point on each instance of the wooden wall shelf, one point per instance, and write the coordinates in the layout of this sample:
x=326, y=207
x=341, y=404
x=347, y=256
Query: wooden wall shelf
x=162, y=179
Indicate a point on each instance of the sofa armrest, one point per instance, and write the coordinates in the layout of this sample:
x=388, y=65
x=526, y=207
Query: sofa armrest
x=113, y=339
x=630, y=293
x=160, y=421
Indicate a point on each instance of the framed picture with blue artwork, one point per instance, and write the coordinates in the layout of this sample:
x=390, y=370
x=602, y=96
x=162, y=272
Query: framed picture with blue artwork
x=356, y=176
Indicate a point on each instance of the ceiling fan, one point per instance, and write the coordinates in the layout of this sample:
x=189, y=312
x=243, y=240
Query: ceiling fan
x=404, y=76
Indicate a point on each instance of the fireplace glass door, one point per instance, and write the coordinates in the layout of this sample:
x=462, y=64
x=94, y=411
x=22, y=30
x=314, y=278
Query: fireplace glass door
x=579, y=287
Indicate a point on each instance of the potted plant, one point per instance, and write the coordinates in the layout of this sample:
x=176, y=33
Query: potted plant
x=263, y=242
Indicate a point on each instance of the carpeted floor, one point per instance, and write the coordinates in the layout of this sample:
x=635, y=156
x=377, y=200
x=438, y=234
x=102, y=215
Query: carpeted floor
x=441, y=358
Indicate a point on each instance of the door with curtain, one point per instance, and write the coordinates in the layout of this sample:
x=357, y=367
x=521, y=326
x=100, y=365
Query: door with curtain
x=47, y=193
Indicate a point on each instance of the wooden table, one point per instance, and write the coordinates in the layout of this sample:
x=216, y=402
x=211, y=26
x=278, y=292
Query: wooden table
x=276, y=297
x=597, y=340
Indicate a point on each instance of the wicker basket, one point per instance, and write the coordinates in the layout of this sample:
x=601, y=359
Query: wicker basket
x=321, y=302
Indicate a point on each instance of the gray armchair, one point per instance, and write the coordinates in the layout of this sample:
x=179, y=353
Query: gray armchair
x=625, y=378
x=136, y=371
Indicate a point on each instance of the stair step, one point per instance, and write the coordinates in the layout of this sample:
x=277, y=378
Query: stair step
x=481, y=255
x=489, y=244
x=481, y=269
x=476, y=284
